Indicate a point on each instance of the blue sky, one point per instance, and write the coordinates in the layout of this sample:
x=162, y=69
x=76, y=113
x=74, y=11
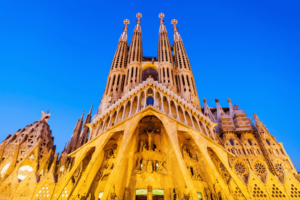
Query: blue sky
x=56, y=55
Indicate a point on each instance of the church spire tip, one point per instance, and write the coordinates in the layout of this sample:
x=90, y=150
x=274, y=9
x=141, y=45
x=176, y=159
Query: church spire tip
x=139, y=15
x=82, y=116
x=138, y=23
x=161, y=16
x=124, y=34
x=174, y=22
x=126, y=22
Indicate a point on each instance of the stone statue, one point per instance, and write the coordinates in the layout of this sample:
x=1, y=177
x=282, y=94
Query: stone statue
x=149, y=166
x=145, y=147
x=141, y=146
x=195, y=156
x=192, y=98
x=186, y=194
x=186, y=153
x=109, y=97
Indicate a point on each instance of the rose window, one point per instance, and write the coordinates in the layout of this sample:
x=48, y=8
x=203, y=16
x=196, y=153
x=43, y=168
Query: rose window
x=279, y=168
x=260, y=168
x=240, y=168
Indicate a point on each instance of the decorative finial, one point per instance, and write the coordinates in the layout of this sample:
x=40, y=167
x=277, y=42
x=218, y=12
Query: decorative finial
x=216, y=100
x=174, y=22
x=204, y=100
x=228, y=100
x=126, y=22
x=161, y=16
x=139, y=15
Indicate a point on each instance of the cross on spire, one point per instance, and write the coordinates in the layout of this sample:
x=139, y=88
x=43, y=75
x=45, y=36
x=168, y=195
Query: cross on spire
x=126, y=22
x=174, y=22
x=161, y=16
x=139, y=16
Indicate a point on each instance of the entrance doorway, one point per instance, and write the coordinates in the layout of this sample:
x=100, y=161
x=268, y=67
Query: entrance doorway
x=141, y=194
x=158, y=194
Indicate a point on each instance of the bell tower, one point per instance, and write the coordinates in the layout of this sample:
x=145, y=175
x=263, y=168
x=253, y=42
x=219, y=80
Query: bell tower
x=165, y=57
x=184, y=76
x=117, y=75
x=135, y=57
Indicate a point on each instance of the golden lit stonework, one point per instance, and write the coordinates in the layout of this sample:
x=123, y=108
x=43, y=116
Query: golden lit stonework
x=150, y=139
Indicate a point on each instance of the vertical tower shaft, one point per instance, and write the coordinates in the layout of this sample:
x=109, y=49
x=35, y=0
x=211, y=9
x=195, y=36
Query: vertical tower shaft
x=165, y=57
x=184, y=76
x=135, y=57
x=117, y=75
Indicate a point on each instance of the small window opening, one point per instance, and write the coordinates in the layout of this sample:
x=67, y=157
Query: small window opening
x=150, y=101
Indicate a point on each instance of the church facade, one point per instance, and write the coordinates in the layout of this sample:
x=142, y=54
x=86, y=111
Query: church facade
x=150, y=139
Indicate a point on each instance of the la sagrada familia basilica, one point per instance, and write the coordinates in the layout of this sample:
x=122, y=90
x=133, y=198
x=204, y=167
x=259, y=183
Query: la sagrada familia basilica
x=150, y=140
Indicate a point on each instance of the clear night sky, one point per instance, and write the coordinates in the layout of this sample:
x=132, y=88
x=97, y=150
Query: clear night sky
x=56, y=55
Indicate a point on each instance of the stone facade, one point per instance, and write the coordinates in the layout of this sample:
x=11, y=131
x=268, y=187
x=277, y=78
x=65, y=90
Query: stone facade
x=150, y=139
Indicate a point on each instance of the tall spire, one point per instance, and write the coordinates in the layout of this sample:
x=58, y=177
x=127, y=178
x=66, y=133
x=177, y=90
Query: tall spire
x=135, y=53
x=184, y=77
x=165, y=57
x=164, y=47
x=116, y=78
x=181, y=58
x=120, y=58
x=135, y=56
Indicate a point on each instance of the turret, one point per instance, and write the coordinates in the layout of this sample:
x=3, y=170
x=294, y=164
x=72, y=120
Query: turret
x=165, y=57
x=184, y=76
x=76, y=134
x=85, y=132
x=135, y=57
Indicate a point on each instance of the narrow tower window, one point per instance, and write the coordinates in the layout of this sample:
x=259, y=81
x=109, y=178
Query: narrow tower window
x=250, y=143
x=187, y=79
x=268, y=142
x=136, y=74
x=231, y=142
x=127, y=76
x=122, y=83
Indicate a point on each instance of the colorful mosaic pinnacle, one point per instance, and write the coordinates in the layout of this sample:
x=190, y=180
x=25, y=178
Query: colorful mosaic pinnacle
x=150, y=139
